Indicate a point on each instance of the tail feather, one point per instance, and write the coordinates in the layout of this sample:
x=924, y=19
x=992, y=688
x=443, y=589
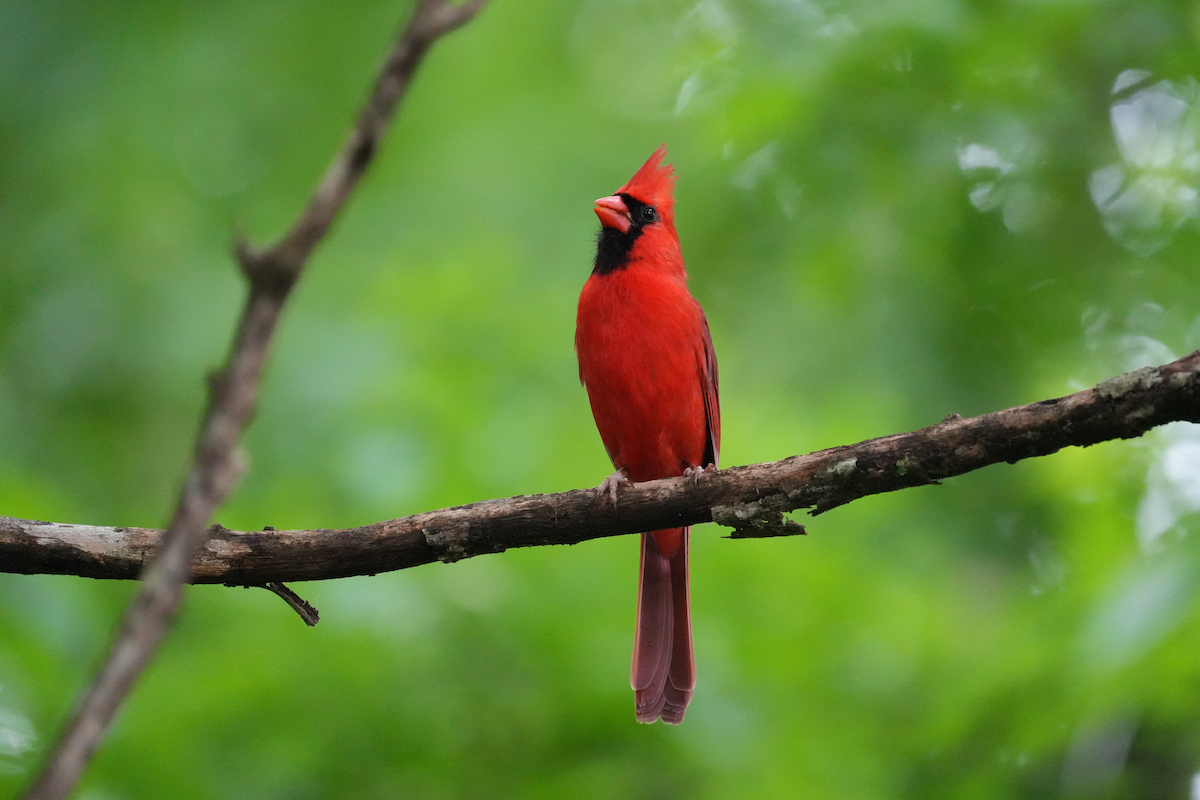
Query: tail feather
x=664, y=671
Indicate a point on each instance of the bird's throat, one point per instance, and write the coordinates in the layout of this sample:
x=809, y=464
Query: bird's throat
x=612, y=249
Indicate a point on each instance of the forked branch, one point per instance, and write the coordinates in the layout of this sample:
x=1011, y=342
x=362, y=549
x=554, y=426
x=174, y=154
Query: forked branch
x=216, y=467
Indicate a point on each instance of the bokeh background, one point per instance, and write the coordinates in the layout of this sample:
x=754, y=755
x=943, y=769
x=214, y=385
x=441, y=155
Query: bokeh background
x=891, y=212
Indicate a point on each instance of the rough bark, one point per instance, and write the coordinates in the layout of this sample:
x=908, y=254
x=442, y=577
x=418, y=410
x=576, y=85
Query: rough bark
x=751, y=499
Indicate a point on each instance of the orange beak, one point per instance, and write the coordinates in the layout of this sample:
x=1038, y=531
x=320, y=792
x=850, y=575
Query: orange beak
x=613, y=213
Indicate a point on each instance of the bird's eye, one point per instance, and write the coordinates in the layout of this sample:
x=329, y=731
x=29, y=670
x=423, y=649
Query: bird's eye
x=648, y=215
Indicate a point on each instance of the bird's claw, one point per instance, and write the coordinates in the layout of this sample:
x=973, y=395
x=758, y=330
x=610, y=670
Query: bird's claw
x=609, y=487
x=695, y=472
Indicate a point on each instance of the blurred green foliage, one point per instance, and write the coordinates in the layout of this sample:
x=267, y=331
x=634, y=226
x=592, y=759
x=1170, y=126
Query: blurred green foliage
x=891, y=212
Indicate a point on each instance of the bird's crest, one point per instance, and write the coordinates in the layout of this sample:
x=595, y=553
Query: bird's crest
x=654, y=183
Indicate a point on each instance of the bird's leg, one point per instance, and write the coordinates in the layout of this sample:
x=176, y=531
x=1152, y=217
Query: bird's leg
x=695, y=472
x=609, y=487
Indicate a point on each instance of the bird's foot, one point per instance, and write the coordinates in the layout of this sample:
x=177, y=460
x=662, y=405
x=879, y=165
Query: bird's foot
x=695, y=472
x=609, y=487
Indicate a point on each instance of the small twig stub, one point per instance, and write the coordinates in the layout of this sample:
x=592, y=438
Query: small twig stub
x=758, y=519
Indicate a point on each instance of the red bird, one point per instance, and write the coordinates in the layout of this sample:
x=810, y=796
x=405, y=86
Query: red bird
x=647, y=361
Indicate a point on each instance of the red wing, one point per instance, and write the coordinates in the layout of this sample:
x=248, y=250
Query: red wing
x=712, y=400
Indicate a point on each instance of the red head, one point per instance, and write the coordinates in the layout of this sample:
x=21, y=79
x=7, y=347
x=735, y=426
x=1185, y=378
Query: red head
x=639, y=220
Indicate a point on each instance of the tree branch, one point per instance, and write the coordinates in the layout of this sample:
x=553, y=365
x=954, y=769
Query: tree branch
x=751, y=499
x=217, y=466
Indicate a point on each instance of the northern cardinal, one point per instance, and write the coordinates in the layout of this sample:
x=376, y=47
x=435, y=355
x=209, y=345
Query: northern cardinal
x=647, y=361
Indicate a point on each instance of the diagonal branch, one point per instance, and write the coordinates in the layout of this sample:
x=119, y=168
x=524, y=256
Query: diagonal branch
x=750, y=499
x=216, y=467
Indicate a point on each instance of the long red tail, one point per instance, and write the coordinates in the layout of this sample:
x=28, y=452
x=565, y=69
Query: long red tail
x=664, y=670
